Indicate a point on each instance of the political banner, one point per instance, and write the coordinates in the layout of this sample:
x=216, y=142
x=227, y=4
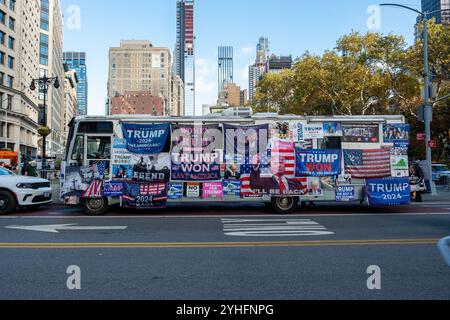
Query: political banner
x=151, y=168
x=400, y=149
x=399, y=166
x=232, y=188
x=113, y=189
x=388, y=191
x=243, y=143
x=318, y=163
x=122, y=172
x=212, y=190
x=393, y=133
x=119, y=143
x=345, y=194
x=144, y=195
x=146, y=138
x=296, y=132
x=313, y=187
x=196, y=153
x=313, y=131
x=332, y=129
x=175, y=191
x=121, y=157
x=193, y=190
x=361, y=133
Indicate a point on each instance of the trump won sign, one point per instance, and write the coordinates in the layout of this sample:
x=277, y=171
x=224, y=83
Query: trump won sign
x=317, y=163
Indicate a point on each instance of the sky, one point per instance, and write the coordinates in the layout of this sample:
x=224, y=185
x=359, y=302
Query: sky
x=292, y=26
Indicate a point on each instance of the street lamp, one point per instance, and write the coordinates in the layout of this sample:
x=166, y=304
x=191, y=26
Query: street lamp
x=428, y=110
x=44, y=83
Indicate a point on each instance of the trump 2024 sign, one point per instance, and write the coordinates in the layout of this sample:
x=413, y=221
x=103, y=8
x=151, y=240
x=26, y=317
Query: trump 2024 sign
x=317, y=163
x=388, y=191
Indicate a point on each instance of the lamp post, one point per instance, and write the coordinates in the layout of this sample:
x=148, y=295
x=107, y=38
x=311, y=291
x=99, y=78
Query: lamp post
x=428, y=109
x=44, y=84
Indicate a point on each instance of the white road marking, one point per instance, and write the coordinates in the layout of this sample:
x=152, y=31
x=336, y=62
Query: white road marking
x=54, y=228
x=273, y=228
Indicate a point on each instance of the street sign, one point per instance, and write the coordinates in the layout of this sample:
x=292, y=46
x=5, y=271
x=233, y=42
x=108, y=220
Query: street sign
x=421, y=137
x=432, y=144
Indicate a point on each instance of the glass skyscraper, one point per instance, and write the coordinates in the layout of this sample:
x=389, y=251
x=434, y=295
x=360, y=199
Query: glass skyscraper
x=184, y=65
x=436, y=5
x=225, y=67
x=77, y=61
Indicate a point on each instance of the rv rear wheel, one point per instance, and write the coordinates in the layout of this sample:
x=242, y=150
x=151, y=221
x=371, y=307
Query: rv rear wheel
x=95, y=206
x=284, y=205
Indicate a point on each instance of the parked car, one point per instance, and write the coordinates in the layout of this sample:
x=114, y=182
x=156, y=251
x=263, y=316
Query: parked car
x=440, y=171
x=17, y=190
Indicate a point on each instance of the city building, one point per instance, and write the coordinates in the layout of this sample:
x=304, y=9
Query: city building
x=137, y=102
x=51, y=65
x=77, y=61
x=138, y=66
x=259, y=68
x=19, y=64
x=184, y=56
x=70, y=102
x=232, y=96
x=225, y=67
x=177, y=96
x=436, y=5
x=276, y=64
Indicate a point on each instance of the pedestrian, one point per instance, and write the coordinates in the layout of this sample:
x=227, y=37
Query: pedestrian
x=31, y=169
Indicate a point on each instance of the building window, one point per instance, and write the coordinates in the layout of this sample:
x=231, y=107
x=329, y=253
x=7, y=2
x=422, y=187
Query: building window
x=9, y=102
x=2, y=37
x=2, y=78
x=10, y=62
x=2, y=17
x=12, y=23
x=12, y=5
x=10, y=81
x=2, y=58
x=11, y=42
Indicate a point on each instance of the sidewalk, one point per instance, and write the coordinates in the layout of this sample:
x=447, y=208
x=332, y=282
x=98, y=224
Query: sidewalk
x=442, y=198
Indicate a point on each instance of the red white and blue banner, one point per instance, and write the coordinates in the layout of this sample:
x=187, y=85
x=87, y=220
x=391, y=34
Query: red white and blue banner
x=388, y=191
x=113, y=189
x=317, y=163
x=146, y=138
x=144, y=195
x=366, y=164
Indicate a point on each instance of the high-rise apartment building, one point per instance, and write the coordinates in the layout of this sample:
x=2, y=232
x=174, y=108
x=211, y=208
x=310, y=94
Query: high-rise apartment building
x=276, y=64
x=436, y=5
x=184, y=64
x=225, y=67
x=51, y=65
x=19, y=64
x=77, y=61
x=137, y=102
x=70, y=102
x=257, y=70
x=232, y=96
x=138, y=66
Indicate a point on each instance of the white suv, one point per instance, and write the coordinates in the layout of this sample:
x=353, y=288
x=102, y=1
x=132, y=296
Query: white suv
x=16, y=190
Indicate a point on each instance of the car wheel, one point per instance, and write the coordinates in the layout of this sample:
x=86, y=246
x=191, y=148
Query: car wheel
x=8, y=202
x=284, y=205
x=95, y=206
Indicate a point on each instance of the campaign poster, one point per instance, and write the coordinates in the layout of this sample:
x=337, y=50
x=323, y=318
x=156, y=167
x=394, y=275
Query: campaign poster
x=232, y=188
x=113, y=189
x=296, y=132
x=396, y=133
x=119, y=143
x=332, y=129
x=121, y=157
x=313, y=187
x=175, y=191
x=122, y=172
x=193, y=190
x=280, y=130
x=212, y=190
x=313, y=131
x=146, y=138
x=140, y=195
x=243, y=143
x=345, y=194
x=318, y=163
x=399, y=166
x=400, y=149
x=151, y=168
x=196, y=153
x=361, y=133
x=388, y=191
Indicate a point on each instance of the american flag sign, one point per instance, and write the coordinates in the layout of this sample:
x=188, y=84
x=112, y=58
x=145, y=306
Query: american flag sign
x=368, y=164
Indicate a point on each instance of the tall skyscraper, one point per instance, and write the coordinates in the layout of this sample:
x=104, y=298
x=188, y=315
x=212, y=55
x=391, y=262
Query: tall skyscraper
x=225, y=67
x=51, y=65
x=257, y=70
x=19, y=64
x=184, y=65
x=436, y=5
x=77, y=61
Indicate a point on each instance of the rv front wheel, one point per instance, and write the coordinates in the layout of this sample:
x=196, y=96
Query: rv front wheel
x=95, y=206
x=284, y=205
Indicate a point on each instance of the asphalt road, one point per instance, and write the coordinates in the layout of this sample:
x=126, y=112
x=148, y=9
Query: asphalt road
x=226, y=252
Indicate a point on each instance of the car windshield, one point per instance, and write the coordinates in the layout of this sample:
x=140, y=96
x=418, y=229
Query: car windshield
x=4, y=172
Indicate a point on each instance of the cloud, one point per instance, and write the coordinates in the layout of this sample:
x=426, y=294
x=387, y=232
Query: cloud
x=245, y=51
x=205, y=76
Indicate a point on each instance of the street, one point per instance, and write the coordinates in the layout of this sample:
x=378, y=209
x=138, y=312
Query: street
x=226, y=252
